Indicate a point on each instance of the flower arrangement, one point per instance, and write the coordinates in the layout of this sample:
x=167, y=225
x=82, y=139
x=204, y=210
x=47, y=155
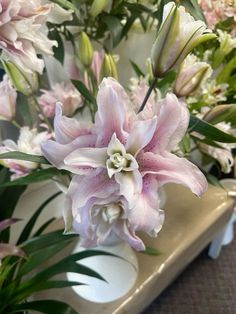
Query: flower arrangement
x=110, y=148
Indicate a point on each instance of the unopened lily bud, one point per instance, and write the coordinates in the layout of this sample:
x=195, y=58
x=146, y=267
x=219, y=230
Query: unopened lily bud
x=97, y=7
x=178, y=35
x=84, y=50
x=108, y=68
x=24, y=82
x=190, y=76
x=8, y=97
x=220, y=113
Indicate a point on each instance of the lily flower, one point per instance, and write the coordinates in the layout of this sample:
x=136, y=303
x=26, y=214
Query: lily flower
x=125, y=154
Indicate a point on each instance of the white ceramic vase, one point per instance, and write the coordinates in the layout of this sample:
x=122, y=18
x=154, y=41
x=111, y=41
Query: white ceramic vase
x=120, y=273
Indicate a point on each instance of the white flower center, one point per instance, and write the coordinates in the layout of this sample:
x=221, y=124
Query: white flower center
x=118, y=159
x=111, y=212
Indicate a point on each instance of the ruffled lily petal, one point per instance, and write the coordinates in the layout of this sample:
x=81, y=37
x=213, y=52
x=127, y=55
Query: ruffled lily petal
x=169, y=168
x=172, y=123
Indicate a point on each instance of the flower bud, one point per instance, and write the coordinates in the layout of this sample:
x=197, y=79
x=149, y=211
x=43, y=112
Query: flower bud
x=220, y=113
x=108, y=68
x=84, y=50
x=24, y=82
x=178, y=35
x=8, y=97
x=190, y=76
x=97, y=7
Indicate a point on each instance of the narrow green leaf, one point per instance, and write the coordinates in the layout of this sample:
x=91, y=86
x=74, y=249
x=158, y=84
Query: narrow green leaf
x=136, y=69
x=24, y=156
x=33, y=177
x=37, y=258
x=8, y=201
x=43, y=241
x=43, y=227
x=45, y=306
x=59, y=51
x=84, y=91
x=55, y=284
x=65, y=4
x=23, y=109
x=208, y=130
x=115, y=27
x=151, y=251
x=30, y=225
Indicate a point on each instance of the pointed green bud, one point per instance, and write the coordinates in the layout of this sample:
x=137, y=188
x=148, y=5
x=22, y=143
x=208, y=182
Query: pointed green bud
x=178, y=35
x=108, y=67
x=97, y=7
x=24, y=82
x=84, y=50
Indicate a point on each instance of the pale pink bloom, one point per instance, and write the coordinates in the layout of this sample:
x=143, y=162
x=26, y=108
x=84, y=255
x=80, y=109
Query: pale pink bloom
x=29, y=142
x=21, y=33
x=97, y=63
x=125, y=153
x=8, y=97
x=109, y=214
x=216, y=11
x=66, y=94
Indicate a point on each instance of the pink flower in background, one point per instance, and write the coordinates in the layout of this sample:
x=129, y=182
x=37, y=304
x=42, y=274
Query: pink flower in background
x=65, y=93
x=219, y=10
x=123, y=155
x=21, y=33
x=8, y=97
x=29, y=142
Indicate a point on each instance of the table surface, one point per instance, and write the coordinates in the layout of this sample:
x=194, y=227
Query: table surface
x=190, y=224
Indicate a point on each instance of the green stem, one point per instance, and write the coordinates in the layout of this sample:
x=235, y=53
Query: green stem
x=151, y=87
x=39, y=109
x=16, y=124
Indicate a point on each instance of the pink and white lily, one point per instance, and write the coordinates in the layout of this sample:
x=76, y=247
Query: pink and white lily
x=125, y=155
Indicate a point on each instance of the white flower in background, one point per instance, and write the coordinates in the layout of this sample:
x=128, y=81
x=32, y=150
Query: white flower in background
x=66, y=94
x=191, y=75
x=8, y=97
x=22, y=34
x=223, y=155
x=227, y=42
x=29, y=142
x=213, y=93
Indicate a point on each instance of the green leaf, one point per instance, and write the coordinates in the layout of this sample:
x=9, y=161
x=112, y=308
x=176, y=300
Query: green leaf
x=28, y=287
x=225, y=74
x=84, y=91
x=43, y=227
x=33, y=177
x=45, y=306
x=115, y=27
x=36, y=259
x=24, y=156
x=43, y=241
x=66, y=4
x=208, y=130
x=151, y=251
x=8, y=201
x=55, y=284
x=166, y=82
x=59, y=51
x=136, y=69
x=30, y=225
x=23, y=109
x=194, y=9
